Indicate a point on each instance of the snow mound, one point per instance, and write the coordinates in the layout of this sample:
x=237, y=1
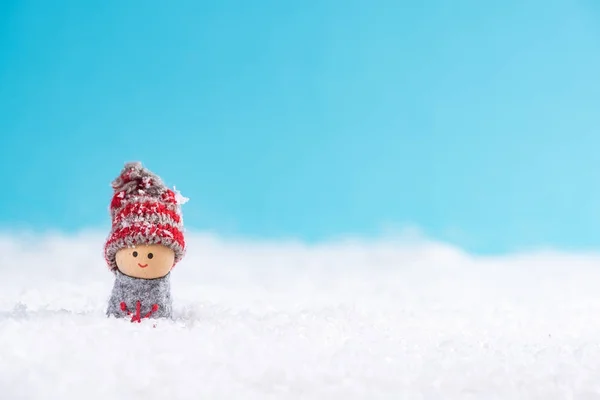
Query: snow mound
x=346, y=320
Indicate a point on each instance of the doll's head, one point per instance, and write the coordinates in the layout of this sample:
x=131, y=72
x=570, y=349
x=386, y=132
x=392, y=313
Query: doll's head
x=145, y=261
x=146, y=239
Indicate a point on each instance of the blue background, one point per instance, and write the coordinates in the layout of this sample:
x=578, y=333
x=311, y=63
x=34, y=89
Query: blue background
x=476, y=121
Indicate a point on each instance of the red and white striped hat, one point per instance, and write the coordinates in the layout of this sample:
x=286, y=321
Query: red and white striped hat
x=143, y=211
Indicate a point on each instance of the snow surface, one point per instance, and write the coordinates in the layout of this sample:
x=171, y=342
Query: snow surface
x=347, y=320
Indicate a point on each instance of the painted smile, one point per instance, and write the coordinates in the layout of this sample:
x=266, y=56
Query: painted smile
x=142, y=265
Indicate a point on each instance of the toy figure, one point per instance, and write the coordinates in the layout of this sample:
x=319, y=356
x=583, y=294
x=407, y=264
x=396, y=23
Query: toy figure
x=145, y=243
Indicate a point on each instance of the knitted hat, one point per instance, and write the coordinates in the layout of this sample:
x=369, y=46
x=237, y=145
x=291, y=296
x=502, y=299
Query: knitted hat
x=143, y=211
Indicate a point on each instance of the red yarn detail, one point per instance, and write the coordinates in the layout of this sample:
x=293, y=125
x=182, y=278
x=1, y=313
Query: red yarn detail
x=126, y=176
x=138, y=309
x=147, y=207
x=124, y=308
x=160, y=230
x=153, y=310
x=137, y=317
x=117, y=200
x=169, y=197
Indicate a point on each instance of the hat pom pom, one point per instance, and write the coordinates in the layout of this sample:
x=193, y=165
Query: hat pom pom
x=135, y=179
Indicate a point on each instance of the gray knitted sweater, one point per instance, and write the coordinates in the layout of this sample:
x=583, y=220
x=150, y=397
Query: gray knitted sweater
x=140, y=298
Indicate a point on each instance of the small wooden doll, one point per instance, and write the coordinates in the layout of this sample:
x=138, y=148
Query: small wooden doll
x=145, y=243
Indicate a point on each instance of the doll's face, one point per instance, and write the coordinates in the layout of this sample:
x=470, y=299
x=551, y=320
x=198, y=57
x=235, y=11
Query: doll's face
x=145, y=261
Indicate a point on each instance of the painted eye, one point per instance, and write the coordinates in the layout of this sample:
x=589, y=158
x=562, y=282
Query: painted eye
x=135, y=253
x=150, y=255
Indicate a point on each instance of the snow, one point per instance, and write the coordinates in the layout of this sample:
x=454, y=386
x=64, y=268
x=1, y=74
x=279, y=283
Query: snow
x=353, y=319
x=179, y=198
